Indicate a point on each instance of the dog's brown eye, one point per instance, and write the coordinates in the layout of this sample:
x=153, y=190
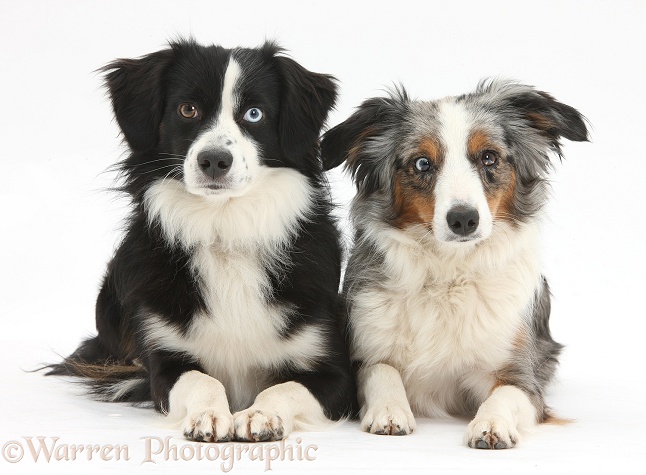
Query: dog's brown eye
x=488, y=158
x=188, y=111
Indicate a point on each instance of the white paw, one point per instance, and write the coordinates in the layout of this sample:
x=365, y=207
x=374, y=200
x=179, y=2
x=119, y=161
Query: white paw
x=208, y=426
x=252, y=425
x=491, y=433
x=390, y=419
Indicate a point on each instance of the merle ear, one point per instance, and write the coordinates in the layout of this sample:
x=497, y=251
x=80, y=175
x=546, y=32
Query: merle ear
x=135, y=87
x=343, y=142
x=365, y=139
x=347, y=141
x=551, y=118
x=306, y=100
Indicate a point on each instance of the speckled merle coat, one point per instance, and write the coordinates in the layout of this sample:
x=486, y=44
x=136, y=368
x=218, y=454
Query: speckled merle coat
x=447, y=306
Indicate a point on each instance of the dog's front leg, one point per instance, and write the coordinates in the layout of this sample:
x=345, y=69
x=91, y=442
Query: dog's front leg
x=496, y=424
x=384, y=406
x=201, y=402
x=180, y=388
x=275, y=412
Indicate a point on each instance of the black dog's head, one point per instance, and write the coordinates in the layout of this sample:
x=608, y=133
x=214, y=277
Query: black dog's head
x=215, y=118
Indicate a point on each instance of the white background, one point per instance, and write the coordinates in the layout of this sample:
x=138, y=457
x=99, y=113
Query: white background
x=59, y=225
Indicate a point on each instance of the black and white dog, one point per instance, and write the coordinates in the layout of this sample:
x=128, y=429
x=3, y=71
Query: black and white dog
x=222, y=297
x=448, y=309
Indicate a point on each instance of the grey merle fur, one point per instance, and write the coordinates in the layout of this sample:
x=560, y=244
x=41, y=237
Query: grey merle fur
x=373, y=141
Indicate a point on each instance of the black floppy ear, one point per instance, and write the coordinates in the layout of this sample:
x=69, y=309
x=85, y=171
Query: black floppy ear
x=306, y=99
x=136, y=89
x=550, y=117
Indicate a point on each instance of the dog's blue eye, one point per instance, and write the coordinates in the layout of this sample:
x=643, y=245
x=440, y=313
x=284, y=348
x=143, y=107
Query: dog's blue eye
x=253, y=115
x=422, y=164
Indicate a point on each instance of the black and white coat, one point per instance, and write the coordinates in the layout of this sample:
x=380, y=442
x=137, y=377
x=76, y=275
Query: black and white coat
x=220, y=304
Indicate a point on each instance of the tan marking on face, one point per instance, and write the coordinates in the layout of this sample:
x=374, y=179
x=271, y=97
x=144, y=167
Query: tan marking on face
x=412, y=207
x=431, y=149
x=416, y=204
x=501, y=201
x=477, y=142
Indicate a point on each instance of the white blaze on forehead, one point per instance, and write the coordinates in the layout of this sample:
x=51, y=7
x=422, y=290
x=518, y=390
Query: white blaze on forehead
x=230, y=99
x=224, y=134
x=458, y=181
x=225, y=129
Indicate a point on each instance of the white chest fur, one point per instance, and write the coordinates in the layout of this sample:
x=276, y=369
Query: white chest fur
x=234, y=244
x=239, y=338
x=446, y=320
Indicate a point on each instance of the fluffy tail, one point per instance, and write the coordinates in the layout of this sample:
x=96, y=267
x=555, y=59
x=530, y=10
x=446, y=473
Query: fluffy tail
x=107, y=378
x=553, y=419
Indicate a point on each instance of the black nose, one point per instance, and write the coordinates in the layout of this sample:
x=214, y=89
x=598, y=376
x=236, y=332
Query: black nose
x=215, y=163
x=463, y=220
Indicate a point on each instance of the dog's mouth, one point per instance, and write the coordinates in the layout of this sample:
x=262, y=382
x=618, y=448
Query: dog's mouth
x=463, y=239
x=223, y=188
x=216, y=187
x=455, y=241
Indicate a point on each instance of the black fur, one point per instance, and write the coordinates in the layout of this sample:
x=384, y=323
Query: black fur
x=150, y=275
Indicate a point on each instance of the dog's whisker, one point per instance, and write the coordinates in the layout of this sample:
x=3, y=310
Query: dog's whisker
x=172, y=155
x=148, y=162
x=173, y=173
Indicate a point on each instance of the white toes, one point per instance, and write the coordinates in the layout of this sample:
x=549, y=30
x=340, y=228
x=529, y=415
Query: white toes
x=491, y=433
x=392, y=419
x=252, y=425
x=208, y=426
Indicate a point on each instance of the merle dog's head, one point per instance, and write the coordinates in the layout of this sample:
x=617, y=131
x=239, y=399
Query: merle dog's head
x=453, y=168
x=217, y=119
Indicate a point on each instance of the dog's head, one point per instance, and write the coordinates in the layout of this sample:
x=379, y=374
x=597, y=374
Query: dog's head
x=217, y=119
x=456, y=166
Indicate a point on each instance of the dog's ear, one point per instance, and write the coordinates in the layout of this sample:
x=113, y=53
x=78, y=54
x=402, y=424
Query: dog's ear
x=136, y=89
x=549, y=117
x=365, y=139
x=344, y=142
x=306, y=100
